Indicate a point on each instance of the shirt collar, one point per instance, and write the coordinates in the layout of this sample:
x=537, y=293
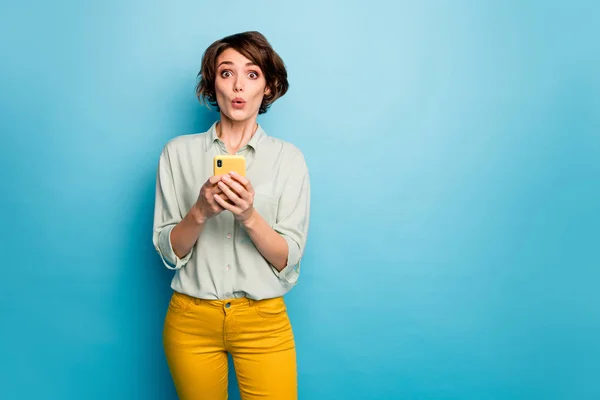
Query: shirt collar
x=212, y=138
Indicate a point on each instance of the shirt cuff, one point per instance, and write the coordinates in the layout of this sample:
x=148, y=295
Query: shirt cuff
x=165, y=250
x=291, y=272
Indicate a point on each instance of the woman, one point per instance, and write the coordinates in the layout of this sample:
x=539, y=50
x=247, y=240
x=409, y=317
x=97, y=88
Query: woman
x=234, y=242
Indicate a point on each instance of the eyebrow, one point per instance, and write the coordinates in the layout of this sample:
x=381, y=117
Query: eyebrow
x=248, y=64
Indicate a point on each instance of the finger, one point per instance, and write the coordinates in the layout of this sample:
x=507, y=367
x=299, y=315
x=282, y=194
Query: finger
x=235, y=186
x=220, y=194
x=211, y=189
x=217, y=191
x=230, y=193
x=214, y=179
x=224, y=197
x=210, y=192
x=224, y=204
x=243, y=181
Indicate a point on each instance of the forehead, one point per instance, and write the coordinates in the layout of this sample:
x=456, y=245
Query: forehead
x=233, y=57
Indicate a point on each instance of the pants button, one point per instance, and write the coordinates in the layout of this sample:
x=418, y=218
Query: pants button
x=227, y=305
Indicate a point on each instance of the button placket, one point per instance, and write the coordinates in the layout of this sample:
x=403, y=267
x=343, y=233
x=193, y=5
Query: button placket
x=228, y=261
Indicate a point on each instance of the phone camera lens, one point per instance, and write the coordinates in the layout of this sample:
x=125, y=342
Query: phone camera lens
x=219, y=163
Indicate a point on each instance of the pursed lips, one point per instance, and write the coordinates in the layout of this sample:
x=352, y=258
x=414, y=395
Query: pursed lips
x=238, y=102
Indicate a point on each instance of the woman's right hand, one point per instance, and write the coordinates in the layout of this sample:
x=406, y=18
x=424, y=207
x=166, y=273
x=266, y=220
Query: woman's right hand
x=206, y=206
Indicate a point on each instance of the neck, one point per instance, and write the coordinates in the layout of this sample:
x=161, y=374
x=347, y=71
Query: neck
x=235, y=134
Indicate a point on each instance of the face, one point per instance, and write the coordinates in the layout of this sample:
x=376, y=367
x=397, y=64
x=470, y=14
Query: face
x=239, y=86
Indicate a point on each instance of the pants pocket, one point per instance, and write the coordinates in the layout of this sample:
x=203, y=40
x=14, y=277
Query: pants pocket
x=271, y=308
x=180, y=303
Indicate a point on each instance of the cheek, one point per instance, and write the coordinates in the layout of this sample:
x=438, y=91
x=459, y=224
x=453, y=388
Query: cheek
x=259, y=92
x=219, y=88
x=220, y=92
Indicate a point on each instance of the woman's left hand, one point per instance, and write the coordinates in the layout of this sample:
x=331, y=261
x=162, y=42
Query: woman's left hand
x=240, y=193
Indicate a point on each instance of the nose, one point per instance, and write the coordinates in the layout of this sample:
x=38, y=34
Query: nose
x=237, y=85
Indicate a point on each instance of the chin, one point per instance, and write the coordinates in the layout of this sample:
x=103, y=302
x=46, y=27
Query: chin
x=239, y=115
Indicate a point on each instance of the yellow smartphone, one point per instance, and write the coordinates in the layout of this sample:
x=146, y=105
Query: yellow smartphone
x=225, y=163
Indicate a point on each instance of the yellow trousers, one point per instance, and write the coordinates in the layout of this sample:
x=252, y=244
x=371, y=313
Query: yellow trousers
x=198, y=334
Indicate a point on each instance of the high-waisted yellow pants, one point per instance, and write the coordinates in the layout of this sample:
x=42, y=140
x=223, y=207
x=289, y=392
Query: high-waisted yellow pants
x=198, y=334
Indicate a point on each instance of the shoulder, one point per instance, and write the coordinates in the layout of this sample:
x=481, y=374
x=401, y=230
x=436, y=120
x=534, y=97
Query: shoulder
x=287, y=150
x=184, y=142
x=184, y=145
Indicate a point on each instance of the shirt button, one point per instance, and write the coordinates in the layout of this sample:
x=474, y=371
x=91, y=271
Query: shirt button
x=228, y=266
x=229, y=236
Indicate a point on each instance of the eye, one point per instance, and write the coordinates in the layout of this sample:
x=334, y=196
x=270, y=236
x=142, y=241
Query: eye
x=253, y=75
x=225, y=74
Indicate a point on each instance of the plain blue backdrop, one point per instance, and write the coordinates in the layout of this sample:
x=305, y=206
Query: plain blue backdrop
x=454, y=151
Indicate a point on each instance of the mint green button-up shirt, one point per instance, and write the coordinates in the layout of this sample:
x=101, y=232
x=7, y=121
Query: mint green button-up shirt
x=224, y=262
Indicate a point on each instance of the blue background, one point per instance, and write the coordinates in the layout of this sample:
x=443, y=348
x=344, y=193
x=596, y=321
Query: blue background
x=454, y=150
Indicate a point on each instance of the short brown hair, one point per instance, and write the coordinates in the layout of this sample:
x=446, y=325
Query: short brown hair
x=254, y=46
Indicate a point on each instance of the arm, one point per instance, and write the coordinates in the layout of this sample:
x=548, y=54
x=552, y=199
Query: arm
x=174, y=236
x=167, y=215
x=185, y=234
x=271, y=244
x=292, y=221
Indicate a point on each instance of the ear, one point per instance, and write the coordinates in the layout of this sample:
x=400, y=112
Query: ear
x=267, y=91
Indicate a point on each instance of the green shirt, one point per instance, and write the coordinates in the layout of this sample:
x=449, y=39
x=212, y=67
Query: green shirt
x=224, y=262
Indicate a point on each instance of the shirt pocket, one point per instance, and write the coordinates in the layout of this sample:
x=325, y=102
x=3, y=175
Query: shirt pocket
x=266, y=205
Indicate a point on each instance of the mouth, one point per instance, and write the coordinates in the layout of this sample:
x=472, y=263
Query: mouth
x=238, y=103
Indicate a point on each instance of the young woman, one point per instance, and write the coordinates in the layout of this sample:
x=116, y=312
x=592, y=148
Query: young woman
x=235, y=242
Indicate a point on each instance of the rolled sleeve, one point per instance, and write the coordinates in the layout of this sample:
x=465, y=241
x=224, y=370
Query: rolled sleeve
x=293, y=217
x=166, y=214
x=164, y=247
